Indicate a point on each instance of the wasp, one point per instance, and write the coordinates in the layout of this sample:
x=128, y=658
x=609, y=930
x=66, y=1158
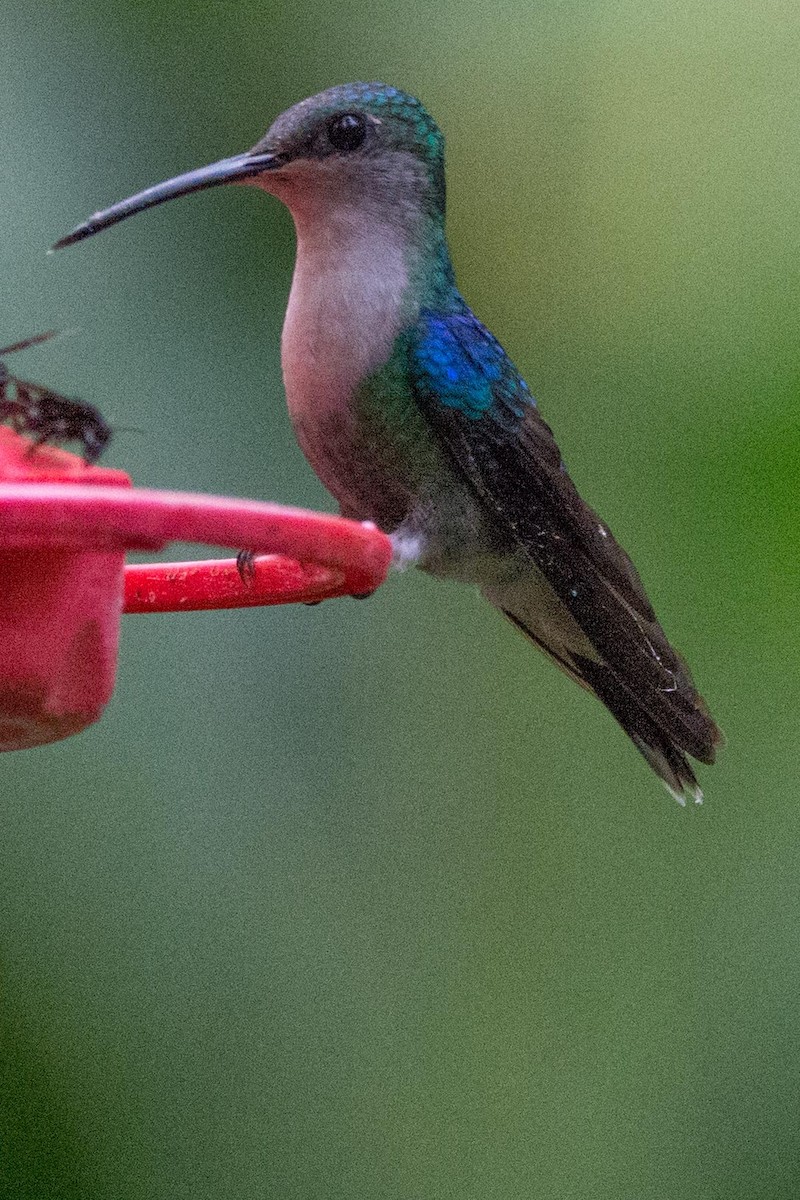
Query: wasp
x=46, y=416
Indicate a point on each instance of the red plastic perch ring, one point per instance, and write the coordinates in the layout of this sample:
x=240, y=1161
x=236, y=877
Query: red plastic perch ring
x=64, y=532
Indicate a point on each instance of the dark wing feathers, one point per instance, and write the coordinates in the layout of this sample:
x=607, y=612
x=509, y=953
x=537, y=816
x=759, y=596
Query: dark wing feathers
x=485, y=416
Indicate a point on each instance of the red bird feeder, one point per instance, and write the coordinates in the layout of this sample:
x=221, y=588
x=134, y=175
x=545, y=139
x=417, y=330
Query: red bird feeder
x=65, y=528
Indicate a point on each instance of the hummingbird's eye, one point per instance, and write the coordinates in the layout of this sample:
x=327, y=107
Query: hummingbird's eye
x=347, y=132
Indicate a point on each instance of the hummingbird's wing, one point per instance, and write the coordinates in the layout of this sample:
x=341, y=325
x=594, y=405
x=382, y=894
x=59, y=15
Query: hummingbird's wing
x=482, y=411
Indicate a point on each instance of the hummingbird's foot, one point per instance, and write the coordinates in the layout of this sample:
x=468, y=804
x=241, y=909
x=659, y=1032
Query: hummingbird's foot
x=363, y=595
x=246, y=566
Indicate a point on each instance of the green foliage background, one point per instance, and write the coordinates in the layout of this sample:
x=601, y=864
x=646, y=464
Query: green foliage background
x=366, y=900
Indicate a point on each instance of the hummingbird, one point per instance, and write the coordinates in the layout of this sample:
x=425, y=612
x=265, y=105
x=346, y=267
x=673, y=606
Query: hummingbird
x=414, y=417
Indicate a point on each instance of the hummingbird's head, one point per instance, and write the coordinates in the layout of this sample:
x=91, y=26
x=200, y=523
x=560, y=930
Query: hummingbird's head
x=360, y=143
x=360, y=146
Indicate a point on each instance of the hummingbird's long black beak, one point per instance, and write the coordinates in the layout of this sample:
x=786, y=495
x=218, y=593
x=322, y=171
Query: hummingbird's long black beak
x=227, y=170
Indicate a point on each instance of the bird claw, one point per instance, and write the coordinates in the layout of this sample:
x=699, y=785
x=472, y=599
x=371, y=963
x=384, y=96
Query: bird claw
x=246, y=566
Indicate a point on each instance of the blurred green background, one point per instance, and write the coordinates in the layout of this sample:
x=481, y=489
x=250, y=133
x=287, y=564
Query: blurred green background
x=367, y=900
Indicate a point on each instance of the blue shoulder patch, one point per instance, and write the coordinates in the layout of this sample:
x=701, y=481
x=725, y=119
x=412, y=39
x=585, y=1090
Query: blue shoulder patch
x=461, y=365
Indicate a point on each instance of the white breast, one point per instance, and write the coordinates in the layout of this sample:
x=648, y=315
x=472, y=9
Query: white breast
x=344, y=313
x=356, y=229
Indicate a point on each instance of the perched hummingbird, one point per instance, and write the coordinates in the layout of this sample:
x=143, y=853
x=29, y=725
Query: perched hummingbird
x=414, y=417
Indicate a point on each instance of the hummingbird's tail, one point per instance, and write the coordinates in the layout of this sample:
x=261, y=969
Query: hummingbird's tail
x=666, y=727
x=664, y=755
